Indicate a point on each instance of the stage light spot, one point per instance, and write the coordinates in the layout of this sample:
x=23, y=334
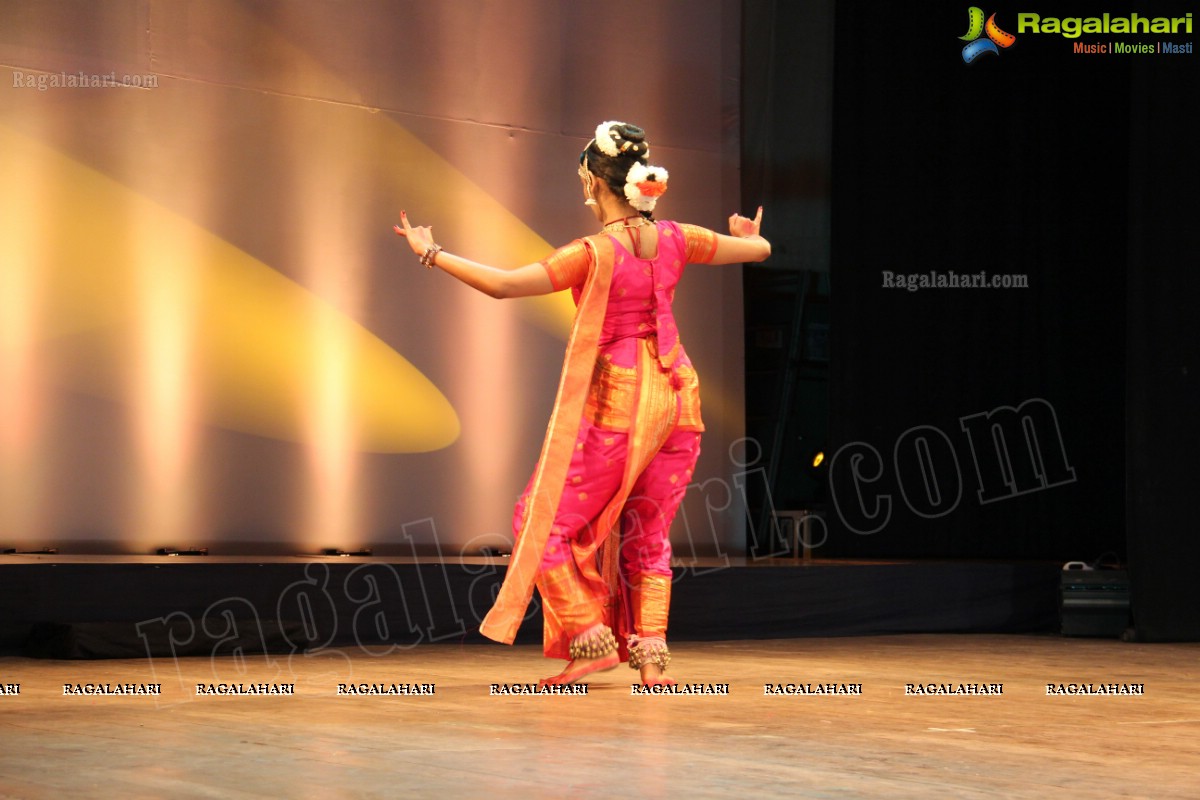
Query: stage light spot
x=253, y=350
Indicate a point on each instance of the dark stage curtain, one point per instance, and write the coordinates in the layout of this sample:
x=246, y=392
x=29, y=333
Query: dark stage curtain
x=1163, y=395
x=787, y=95
x=973, y=422
x=1057, y=421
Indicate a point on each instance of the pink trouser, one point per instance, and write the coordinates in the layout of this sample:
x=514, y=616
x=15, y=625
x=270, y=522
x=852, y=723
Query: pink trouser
x=595, y=475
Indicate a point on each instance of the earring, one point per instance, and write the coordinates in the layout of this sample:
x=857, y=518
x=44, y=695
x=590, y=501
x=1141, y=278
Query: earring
x=586, y=175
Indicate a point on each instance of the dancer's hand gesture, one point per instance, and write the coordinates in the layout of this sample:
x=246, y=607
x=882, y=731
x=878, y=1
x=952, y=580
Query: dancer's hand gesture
x=743, y=227
x=419, y=238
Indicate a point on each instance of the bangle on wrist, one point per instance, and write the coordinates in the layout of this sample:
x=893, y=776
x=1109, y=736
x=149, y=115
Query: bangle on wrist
x=430, y=256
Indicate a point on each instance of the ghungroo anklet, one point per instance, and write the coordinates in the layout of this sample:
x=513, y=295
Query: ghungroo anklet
x=596, y=642
x=649, y=651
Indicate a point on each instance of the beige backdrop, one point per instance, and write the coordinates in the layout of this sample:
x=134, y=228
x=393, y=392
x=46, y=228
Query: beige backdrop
x=210, y=335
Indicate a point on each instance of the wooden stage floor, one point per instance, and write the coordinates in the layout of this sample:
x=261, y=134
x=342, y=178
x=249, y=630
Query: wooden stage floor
x=462, y=741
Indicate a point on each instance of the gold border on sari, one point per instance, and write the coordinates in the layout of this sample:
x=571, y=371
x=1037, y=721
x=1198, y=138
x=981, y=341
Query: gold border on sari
x=502, y=621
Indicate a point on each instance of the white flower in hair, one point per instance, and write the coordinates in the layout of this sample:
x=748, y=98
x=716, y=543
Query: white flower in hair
x=644, y=185
x=606, y=138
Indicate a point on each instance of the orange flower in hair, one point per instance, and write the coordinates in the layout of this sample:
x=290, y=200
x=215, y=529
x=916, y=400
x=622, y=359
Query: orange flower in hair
x=644, y=185
x=651, y=188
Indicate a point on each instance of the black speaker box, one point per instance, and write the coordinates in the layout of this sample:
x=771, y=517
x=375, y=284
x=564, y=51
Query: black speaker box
x=1095, y=602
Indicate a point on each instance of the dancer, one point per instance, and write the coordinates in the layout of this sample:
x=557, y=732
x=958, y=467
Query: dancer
x=591, y=528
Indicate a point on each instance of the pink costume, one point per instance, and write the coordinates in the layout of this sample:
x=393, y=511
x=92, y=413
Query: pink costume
x=597, y=537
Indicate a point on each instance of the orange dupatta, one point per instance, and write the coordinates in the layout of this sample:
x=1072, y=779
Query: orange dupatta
x=501, y=623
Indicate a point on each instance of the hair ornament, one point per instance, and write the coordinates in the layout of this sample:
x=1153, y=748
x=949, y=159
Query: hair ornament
x=644, y=185
x=607, y=136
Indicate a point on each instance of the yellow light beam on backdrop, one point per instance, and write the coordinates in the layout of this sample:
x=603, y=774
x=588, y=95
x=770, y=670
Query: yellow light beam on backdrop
x=473, y=222
x=340, y=141
x=162, y=382
x=323, y=221
x=253, y=352
x=185, y=358
x=22, y=390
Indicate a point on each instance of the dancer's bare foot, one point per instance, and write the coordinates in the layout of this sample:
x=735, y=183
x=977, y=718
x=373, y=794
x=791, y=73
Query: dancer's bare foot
x=580, y=668
x=653, y=676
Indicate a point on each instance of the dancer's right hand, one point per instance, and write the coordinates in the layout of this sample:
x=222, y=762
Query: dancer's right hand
x=419, y=238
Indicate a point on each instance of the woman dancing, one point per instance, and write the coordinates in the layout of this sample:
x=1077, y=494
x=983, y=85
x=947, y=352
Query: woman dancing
x=591, y=529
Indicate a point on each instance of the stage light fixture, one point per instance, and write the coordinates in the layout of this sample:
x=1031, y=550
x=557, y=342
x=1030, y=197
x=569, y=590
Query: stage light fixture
x=182, y=551
x=334, y=551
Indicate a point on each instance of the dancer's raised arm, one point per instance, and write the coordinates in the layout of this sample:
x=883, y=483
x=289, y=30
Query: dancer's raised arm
x=523, y=281
x=744, y=243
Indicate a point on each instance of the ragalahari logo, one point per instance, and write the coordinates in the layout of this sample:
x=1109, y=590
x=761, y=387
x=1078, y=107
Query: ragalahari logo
x=976, y=27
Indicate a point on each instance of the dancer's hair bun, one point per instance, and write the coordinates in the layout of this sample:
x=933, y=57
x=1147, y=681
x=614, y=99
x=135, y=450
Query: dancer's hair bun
x=619, y=155
x=620, y=138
